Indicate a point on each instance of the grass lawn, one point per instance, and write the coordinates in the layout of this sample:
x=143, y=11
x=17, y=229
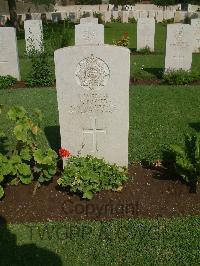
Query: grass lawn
x=142, y=66
x=119, y=242
x=159, y=116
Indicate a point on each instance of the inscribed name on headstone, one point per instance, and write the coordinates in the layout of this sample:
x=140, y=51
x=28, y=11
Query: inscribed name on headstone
x=93, y=100
x=178, y=47
x=89, y=20
x=195, y=23
x=145, y=33
x=89, y=33
x=9, y=64
x=33, y=35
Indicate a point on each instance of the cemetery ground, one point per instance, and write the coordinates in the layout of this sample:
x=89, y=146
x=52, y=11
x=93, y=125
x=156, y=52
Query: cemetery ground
x=166, y=231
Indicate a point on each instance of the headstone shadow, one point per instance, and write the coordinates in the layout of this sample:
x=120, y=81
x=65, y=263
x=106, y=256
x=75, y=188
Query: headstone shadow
x=23, y=255
x=157, y=72
x=195, y=125
x=53, y=136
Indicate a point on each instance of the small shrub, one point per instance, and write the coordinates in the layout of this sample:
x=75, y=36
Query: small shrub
x=99, y=16
x=187, y=159
x=88, y=175
x=180, y=77
x=41, y=73
x=167, y=21
x=132, y=20
x=146, y=50
x=6, y=82
x=123, y=41
x=187, y=20
x=115, y=19
x=57, y=36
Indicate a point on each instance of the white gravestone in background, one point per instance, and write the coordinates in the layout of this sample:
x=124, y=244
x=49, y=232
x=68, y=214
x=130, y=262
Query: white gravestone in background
x=145, y=33
x=89, y=20
x=9, y=63
x=93, y=100
x=159, y=16
x=178, y=47
x=89, y=33
x=107, y=16
x=33, y=35
x=115, y=14
x=124, y=15
x=195, y=23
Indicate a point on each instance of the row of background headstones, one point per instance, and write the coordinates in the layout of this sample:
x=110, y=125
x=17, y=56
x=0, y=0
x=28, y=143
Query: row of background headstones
x=159, y=15
x=92, y=97
x=179, y=46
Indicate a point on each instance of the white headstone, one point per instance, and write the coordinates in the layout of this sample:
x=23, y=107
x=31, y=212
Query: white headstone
x=33, y=35
x=89, y=20
x=151, y=14
x=159, y=16
x=195, y=23
x=115, y=14
x=93, y=99
x=178, y=47
x=143, y=14
x=89, y=34
x=124, y=16
x=145, y=33
x=9, y=64
x=107, y=16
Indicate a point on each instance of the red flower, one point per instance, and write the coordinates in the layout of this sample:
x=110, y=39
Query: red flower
x=64, y=153
x=126, y=34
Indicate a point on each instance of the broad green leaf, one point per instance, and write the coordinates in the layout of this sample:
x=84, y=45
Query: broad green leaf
x=88, y=195
x=17, y=112
x=1, y=192
x=26, y=179
x=1, y=178
x=25, y=154
x=24, y=169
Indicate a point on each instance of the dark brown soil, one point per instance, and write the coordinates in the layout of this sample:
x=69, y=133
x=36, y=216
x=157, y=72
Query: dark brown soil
x=148, y=193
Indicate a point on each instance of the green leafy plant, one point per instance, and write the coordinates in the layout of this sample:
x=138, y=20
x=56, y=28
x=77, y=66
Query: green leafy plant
x=132, y=20
x=187, y=159
x=41, y=73
x=88, y=175
x=99, y=16
x=180, y=77
x=57, y=36
x=123, y=41
x=112, y=19
x=27, y=161
x=7, y=82
x=146, y=50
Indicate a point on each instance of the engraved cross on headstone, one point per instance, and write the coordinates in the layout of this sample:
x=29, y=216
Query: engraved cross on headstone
x=94, y=131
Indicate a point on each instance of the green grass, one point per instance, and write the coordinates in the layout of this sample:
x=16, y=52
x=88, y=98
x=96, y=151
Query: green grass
x=118, y=242
x=142, y=66
x=159, y=116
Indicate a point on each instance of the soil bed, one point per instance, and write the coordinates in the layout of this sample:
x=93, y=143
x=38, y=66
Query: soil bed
x=148, y=193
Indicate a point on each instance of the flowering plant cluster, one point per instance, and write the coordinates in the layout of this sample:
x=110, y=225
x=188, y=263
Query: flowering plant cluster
x=64, y=153
x=28, y=161
x=123, y=41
